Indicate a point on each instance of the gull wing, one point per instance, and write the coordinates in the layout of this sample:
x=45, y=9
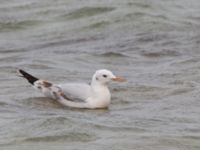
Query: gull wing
x=76, y=91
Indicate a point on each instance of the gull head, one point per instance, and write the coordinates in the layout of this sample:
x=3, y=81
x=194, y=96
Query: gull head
x=103, y=76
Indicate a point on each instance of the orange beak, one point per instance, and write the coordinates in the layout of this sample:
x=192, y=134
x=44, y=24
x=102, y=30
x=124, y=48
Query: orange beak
x=120, y=79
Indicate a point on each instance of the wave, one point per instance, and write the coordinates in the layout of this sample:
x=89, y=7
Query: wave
x=87, y=12
x=112, y=54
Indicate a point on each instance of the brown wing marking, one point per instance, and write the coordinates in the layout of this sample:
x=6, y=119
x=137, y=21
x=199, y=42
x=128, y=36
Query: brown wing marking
x=47, y=84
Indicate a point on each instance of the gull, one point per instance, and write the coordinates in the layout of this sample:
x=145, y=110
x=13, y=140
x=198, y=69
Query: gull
x=78, y=95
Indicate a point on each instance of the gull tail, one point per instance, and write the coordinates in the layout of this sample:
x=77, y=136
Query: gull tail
x=31, y=79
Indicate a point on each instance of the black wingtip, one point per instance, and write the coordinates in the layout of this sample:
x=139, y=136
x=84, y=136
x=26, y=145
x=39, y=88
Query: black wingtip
x=31, y=79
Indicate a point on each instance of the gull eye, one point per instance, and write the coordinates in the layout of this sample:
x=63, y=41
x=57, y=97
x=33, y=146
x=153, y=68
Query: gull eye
x=105, y=76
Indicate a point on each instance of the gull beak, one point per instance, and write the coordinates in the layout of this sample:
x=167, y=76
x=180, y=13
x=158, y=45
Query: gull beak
x=118, y=78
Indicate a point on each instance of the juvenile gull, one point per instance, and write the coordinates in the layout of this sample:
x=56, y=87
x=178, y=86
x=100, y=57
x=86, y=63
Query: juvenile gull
x=78, y=95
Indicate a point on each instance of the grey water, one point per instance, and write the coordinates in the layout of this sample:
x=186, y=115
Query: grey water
x=155, y=44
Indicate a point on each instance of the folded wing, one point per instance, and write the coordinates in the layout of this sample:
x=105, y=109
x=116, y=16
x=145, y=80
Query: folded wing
x=76, y=91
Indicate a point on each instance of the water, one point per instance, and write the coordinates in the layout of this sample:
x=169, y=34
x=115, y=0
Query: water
x=154, y=44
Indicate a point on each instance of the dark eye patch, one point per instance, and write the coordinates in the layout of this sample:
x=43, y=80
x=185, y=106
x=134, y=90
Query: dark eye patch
x=105, y=76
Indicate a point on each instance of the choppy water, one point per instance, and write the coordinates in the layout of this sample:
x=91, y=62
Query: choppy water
x=155, y=44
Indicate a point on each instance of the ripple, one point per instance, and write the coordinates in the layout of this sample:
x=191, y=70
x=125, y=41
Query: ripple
x=41, y=102
x=192, y=137
x=39, y=66
x=148, y=38
x=180, y=91
x=87, y=12
x=17, y=25
x=162, y=53
x=11, y=59
x=57, y=43
x=5, y=51
x=71, y=136
x=99, y=24
x=112, y=54
x=118, y=128
x=3, y=104
x=140, y=5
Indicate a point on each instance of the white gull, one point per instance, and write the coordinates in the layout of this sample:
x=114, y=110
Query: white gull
x=78, y=95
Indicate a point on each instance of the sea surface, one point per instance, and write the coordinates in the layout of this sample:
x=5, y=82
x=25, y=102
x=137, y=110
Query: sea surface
x=155, y=44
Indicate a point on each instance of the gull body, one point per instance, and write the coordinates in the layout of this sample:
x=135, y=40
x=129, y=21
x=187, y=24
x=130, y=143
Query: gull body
x=78, y=95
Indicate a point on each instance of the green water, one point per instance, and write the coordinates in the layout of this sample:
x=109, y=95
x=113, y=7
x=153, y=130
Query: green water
x=153, y=43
